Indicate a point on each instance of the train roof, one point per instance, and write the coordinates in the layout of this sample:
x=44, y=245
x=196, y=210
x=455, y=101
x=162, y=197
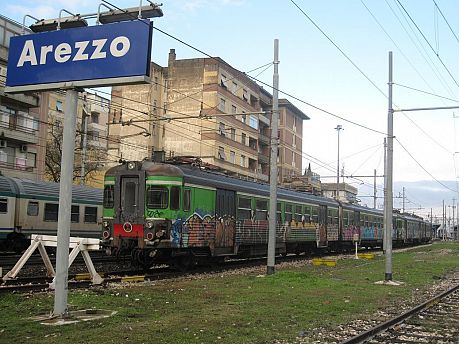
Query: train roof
x=25, y=188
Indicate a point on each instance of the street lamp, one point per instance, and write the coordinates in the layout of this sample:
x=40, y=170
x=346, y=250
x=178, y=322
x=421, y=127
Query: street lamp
x=338, y=128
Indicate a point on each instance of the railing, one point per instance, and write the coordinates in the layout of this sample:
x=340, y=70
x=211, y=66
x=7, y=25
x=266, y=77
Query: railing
x=14, y=166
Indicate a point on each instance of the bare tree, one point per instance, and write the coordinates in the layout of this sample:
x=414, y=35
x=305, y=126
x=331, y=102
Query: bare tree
x=94, y=155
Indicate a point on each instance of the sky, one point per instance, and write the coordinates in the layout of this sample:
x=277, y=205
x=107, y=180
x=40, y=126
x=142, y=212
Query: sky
x=334, y=57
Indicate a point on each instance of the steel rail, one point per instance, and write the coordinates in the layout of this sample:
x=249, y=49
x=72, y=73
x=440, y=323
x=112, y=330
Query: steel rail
x=364, y=336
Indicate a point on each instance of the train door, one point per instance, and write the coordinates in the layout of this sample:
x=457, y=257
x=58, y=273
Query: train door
x=322, y=226
x=225, y=218
x=131, y=200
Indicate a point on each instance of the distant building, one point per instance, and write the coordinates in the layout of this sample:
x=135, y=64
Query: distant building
x=346, y=193
x=308, y=182
x=20, y=126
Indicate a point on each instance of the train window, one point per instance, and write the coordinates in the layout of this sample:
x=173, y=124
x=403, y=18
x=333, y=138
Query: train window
x=75, y=216
x=90, y=214
x=3, y=205
x=329, y=216
x=298, y=213
x=157, y=197
x=345, y=218
x=335, y=216
x=109, y=196
x=315, y=214
x=244, y=210
x=279, y=212
x=175, y=197
x=261, y=212
x=51, y=212
x=32, y=208
x=288, y=213
x=186, y=200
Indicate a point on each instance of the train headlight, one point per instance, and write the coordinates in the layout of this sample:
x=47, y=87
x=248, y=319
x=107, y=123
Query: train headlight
x=105, y=224
x=149, y=224
x=150, y=236
x=106, y=235
x=131, y=165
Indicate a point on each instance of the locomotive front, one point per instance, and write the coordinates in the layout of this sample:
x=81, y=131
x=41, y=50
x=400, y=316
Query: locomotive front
x=140, y=201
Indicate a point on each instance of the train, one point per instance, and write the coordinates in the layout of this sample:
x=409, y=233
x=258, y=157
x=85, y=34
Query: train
x=31, y=207
x=163, y=213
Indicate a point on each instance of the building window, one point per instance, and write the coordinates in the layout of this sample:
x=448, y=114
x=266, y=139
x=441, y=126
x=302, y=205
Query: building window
x=156, y=83
x=232, y=157
x=244, y=117
x=294, y=124
x=155, y=109
x=3, y=156
x=95, y=117
x=234, y=89
x=233, y=109
x=223, y=81
x=222, y=105
x=294, y=141
x=245, y=94
x=59, y=106
x=94, y=135
x=221, y=129
x=221, y=153
x=253, y=122
x=243, y=139
x=233, y=134
x=243, y=161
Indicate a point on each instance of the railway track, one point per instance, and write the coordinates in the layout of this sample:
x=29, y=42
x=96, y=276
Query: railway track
x=434, y=321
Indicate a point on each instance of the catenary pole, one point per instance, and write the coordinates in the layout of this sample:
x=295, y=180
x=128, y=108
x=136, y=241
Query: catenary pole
x=273, y=165
x=374, y=190
x=84, y=141
x=385, y=195
x=389, y=201
x=65, y=204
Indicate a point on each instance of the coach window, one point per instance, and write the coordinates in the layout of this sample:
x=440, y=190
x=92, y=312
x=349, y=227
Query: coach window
x=75, y=216
x=288, y=213
x=307, y=213
x=345, y=218
x=51, y=211
x=32, y=208
x=175, y=198
x=279, y=212
x=298, y=214
x=329, y=216
x=3, y=205
x=186, y=200
x=244, y=210
x=315, y=214
x=109, y=196
x=335, y=216
x=157, y=197
x=90, y=214
x=261, y=212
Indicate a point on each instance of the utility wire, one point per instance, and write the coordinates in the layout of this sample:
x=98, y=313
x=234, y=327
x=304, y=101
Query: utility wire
x=425, y=170
x=447, y=23
x=428, y=43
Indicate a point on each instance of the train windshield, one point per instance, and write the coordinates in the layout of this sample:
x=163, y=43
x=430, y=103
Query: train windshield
x=157, y=197
x=109, y=196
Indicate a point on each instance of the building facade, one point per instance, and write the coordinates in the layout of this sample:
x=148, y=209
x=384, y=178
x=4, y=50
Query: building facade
x=20, y=125
x=207, y=109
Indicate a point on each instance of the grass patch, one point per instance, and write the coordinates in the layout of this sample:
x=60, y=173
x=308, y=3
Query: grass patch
x=232, y=309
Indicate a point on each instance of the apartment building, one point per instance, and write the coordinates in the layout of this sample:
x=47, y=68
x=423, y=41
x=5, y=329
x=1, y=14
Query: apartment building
x=20, y=126
x=135, y=122
x=208, y=110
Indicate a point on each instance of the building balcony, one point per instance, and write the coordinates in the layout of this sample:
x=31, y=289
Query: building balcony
x=264, y=159
x=15, y=167
x=17, y=133
x=27, y=100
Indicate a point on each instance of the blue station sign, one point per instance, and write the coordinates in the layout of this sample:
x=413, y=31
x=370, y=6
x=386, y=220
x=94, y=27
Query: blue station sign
x=101, y=55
